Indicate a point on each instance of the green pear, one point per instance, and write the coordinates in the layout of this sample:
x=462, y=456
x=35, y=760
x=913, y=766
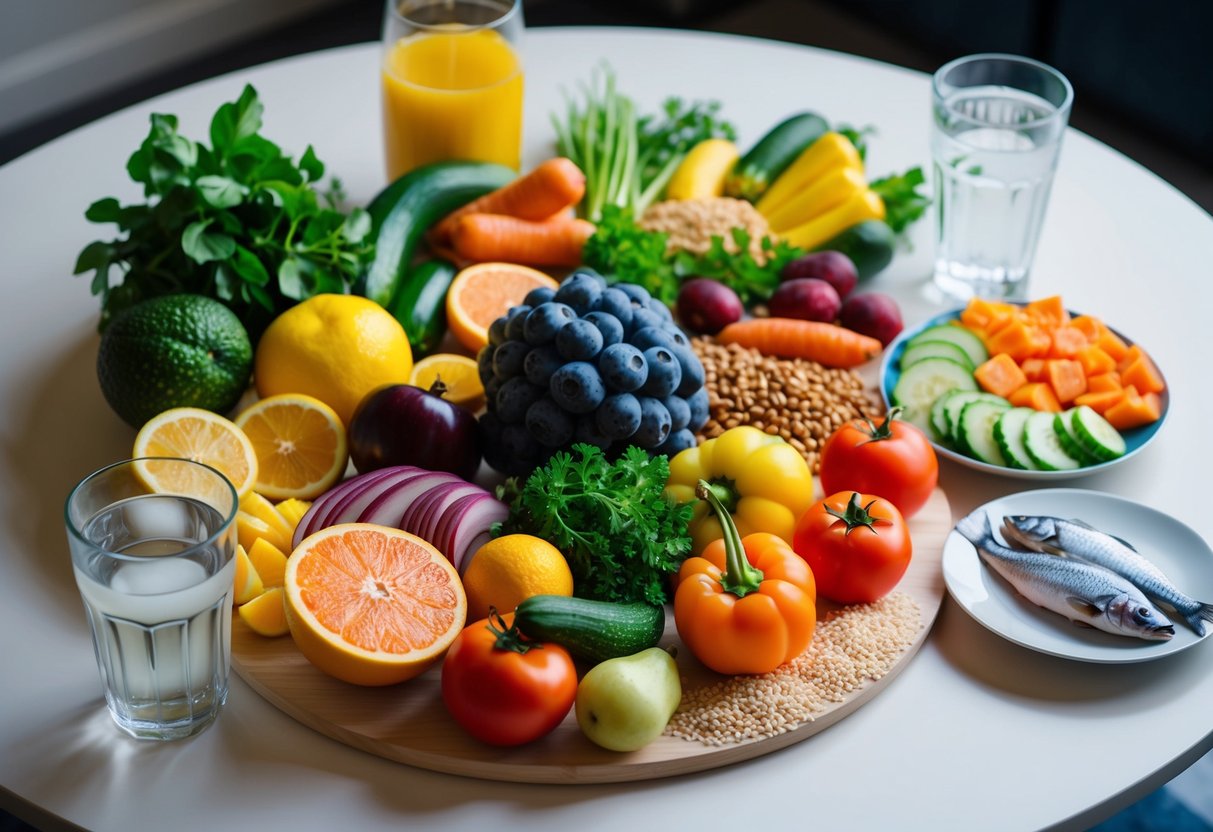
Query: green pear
x=624, y=704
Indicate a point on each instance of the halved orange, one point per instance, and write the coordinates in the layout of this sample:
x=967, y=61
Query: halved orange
x=300, y=444
x=482, y=293
x=372, y=605
x=458, y=374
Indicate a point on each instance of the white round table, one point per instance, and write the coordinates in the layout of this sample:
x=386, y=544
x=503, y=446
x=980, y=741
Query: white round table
x=975, y=734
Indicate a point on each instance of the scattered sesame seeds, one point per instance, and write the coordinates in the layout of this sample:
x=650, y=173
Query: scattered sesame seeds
x=852, y=647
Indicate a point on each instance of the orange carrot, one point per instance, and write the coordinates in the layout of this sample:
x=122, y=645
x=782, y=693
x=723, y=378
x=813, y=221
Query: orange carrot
x=1090, y=326
x=1037, y=395
x=1113, y=345
x=1049, y=311
x=1134, y=410
x=1100, y=401
x=1000, y=375
x=828, y=344
x=1142, y=374
x=1066, y=341
x=550, y=188
x=1033, y=369
x=1095, y=361
x=1066, y=378
x=1104, y=382
x=491, y=237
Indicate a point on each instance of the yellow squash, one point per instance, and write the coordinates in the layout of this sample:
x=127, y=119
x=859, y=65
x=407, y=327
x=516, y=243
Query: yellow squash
x=833, y=151
x=859, y=207
x=827, y=192
x=702, y=172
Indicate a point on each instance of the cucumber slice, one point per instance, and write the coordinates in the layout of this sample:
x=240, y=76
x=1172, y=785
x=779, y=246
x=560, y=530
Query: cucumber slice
x=1096, y=435
x=939, y=418
x=1008, y=433
x=957, y=335
x=921, y=384
x=1043, y=446
x=976, y=430
x=956, y=404
x=934, y=349
x=1067, y=438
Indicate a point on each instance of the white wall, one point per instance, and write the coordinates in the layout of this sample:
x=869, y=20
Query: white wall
x=55, y=53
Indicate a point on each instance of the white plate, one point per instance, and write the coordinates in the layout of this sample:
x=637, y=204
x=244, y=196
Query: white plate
x=1177, y=550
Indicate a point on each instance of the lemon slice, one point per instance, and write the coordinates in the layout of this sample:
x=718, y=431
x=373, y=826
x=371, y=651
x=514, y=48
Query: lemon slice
x=300, y=445
x=458, y=374
x=200, y=435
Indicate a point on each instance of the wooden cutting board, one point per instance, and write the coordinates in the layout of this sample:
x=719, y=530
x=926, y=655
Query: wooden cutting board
x=408, y=722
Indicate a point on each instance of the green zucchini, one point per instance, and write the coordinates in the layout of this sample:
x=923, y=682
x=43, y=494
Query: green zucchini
x=593, y=630
x=404, y=210
x=869, y=244
x=420, y=304
x=762, y=164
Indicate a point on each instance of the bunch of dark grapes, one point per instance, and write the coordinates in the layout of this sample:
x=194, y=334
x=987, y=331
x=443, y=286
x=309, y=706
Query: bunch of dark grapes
x=587, y=362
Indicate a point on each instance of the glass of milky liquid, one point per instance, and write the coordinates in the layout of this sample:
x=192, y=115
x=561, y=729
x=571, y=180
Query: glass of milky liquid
x=998, y=125
x=153, y=544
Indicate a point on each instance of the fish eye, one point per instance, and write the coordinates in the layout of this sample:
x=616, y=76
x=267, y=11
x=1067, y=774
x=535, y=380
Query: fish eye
x=1144, y=612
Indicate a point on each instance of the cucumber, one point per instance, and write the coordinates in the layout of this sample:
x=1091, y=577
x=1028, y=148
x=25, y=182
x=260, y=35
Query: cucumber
x=1008, y=433
x=1041, y=442
x=1069, y=441
x=939, y=418
x=1096, y=435
x=954, y=407
x=921, y=384
x=420, y=305
x=958, y=335
x=935, y=349
x=759, y=167
x=593, y=630
x=870, y=245
x=975, y=430
x=405, y=209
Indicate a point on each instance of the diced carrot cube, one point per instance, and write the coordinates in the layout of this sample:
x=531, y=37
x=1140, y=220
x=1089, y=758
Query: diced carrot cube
x=1134, y=410
x=1090, y=326
x=1104, y=382
x=1041, y=341
x=1095, y=361
x=1100, y=401
x=1113, y=345
x=1131, y=354
x=1143, y=375
x=1036, y=395
x=1066, y=378
x=1033, y=369
x=1066, y=341
x=1000, y=375
x=981, y=313
x=1049, y=311
x=1014, y=339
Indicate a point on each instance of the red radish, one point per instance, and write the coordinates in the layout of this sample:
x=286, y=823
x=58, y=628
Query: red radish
x=833, y=267
x=806, y=298
x=708, y=306
x=872, y=314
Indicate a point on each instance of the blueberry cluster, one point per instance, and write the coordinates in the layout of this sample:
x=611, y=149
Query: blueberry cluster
x=588, y=363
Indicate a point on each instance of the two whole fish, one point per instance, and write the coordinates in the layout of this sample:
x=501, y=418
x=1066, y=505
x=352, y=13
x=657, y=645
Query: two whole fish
x=1076, y=539
x=1083, y=592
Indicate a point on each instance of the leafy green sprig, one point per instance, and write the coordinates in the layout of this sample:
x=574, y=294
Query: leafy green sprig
x=622, y=536
x=238, y=221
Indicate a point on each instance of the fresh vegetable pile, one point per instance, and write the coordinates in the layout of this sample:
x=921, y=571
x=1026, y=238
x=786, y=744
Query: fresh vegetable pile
x=582, y=385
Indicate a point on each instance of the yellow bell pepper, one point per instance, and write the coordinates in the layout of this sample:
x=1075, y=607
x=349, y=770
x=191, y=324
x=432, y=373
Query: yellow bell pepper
x=833, y=151
x=702, y=172
x=763, y=482
x=859, y=207
x=830, y=191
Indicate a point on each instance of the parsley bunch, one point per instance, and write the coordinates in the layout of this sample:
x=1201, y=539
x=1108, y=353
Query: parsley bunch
x=622, y=536
x=238, y=221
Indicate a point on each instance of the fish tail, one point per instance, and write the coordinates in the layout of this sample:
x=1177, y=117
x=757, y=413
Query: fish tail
x=1197, y=619
x=975, y=528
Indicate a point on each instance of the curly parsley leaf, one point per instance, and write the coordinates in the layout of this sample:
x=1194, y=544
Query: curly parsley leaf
x=622, y=536
x=902, y=202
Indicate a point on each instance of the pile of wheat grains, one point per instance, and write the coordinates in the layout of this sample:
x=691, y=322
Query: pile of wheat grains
x=802, y=401
x=851, y=647
x=690, y=224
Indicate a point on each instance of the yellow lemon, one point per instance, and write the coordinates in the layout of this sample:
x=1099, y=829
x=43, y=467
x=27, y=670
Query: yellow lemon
x=336, y=348
x=507, y=570
x=200, y=435
x=300, y=443
x=266, y=614
x=459, y=377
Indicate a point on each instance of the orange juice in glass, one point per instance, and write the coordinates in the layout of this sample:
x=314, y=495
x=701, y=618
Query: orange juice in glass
x=452, y=82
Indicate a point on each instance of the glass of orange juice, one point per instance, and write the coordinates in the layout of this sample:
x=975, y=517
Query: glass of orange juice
x=452, y=82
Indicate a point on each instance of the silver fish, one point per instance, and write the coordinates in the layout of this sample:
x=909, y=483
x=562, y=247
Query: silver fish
x=1078, y=539
x=1086, y=594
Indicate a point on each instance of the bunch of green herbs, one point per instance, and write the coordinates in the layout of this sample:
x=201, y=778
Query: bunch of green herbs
x=622, y=536
x=238, y=221
x=623, y=251
x=628, y=158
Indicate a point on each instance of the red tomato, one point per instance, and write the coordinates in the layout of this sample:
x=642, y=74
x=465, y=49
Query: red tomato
x=503, y=696
x=893, y=460
x=857, y=546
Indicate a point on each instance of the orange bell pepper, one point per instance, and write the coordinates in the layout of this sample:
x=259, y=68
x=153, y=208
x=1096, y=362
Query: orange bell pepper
x=744, y=605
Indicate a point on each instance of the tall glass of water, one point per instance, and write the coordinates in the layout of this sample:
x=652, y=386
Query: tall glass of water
x=153, y=544
x=998, y=125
